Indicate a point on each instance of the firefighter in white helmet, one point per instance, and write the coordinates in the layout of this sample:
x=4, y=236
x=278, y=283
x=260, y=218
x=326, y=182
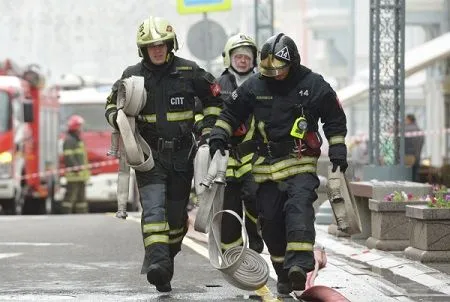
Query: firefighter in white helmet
x=239, y=58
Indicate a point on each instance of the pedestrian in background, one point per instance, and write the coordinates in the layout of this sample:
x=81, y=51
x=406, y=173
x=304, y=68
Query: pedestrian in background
x=414, y=141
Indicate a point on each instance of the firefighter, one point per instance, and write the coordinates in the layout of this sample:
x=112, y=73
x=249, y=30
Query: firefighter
x=166, y=122
x=75, y=160
x=287, y=100
x=239, y=59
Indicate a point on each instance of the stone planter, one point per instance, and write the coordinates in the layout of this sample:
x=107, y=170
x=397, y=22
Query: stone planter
x=430, y=234
x=390, y=226
x=365, y=190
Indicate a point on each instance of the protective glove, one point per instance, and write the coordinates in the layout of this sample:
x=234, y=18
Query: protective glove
x=341, y=163
x=217, y=144
x=114, y=121
x=203, y=139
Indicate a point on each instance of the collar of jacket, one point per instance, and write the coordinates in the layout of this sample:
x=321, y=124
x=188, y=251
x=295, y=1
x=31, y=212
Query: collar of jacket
x=152, y=67
x=283, y=87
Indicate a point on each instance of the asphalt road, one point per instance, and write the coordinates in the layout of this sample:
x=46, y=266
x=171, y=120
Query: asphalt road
x=95, y=257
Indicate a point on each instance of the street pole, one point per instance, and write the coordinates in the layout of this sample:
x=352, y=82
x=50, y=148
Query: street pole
x=207, y=42
x=387, y=91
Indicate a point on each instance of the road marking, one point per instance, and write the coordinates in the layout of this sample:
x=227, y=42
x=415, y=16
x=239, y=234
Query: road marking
x=7, y=255
x=264, y=292
x=34, y=244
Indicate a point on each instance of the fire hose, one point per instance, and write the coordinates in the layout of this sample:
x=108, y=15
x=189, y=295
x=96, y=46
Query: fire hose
x=127, y=144
x=240, y=266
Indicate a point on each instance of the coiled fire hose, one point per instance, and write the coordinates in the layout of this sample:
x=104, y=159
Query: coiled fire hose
x=127, y=144
x=240, y=266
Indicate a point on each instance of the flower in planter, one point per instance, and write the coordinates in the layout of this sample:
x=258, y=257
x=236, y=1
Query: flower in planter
x=440, y=198
x=399, y=196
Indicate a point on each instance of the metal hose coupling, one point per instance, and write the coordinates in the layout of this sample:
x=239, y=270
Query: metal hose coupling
x=343, y=202
x=217, y=170
x=336, y=200
x=240, y=266
x=114, y=148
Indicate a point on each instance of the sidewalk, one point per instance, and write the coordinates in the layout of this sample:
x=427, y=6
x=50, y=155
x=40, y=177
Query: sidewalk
x=364, y=275
x=409, y=279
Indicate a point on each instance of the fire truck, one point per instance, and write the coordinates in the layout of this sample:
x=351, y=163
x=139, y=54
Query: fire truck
x=29, y=119
x=86, y=98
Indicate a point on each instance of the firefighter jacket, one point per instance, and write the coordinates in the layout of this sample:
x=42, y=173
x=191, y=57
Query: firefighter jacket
x=276, y=106
x=75, y=157
x=241, y=142
x=171, y=92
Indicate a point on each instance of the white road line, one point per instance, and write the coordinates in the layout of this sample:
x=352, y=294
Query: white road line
x=199, y=249
x=7, y=255
x=35, y=244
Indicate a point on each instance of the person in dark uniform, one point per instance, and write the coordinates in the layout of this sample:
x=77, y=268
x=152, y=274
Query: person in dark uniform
x=166, y=122
x=75, y=161
x=239, y=58
x=287, y=100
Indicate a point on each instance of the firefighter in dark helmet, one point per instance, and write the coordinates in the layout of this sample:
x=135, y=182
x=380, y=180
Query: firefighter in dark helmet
x=166, y=122
x=287, y=100
x=239, y=58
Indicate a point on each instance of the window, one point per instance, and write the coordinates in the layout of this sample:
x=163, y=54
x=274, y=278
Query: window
x=93, y=114
x=5, y=112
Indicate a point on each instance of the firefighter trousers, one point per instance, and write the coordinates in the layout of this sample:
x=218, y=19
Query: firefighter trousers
x=75, y=198
x=240, y=196
x=287, y=221
x=164, y=194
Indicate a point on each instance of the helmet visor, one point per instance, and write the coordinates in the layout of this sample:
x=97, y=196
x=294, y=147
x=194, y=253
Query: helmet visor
x=271, y=66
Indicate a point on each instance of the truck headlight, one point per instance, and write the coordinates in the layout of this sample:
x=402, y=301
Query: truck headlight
x=5, y=157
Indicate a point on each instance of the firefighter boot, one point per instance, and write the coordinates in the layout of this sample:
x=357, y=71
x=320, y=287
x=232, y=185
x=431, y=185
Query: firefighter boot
x=160, y=277
x=297, y=277
x=283, y=285
x=255, y=242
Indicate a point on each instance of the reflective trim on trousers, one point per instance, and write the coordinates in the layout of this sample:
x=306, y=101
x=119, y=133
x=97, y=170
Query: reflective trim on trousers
x=154, y=227
x=227, y=246
x=300, y=246
x=338, y=139
x=152, y=239
x=250, y=216
x=277, y=259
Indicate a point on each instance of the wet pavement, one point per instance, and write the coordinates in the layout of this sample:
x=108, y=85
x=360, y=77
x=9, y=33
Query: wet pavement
x=405, y=277
x=97, y=257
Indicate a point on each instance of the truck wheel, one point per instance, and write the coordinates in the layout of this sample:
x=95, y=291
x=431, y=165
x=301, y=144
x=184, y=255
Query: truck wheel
x=8, y=206
x=34, y=206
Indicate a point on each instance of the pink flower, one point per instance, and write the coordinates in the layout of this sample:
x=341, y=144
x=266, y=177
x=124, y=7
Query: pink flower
x=410, y=196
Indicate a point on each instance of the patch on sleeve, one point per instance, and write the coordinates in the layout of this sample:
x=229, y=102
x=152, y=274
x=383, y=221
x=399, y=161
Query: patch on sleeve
x=215, y=89
x=209, y=77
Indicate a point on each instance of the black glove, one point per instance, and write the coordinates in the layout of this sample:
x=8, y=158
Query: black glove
x=217, y=144
x=203, y=139
x=114, y=121
x=341, y=163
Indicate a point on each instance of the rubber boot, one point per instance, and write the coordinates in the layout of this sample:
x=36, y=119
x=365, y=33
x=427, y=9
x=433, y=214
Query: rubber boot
x=255, y=243
x=159, y=277
x=297, y=277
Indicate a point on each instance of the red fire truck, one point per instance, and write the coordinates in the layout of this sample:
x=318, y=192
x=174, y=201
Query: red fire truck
x=87, y=97
x=29, y=123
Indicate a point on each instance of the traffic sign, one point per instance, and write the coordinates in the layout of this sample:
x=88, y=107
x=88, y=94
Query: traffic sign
x=202, y=6
x=206, y=39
